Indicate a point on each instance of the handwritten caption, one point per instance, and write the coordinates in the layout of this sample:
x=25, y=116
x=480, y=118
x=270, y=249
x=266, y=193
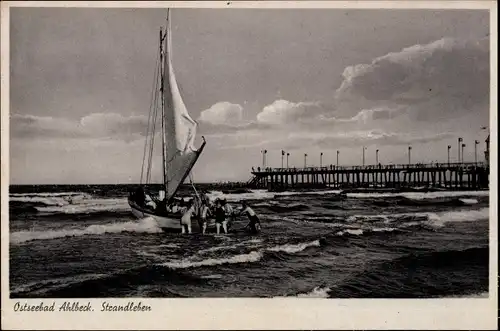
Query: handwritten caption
x=77, y=306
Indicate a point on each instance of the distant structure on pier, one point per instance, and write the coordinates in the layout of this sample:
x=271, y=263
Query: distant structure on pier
x=434, y=175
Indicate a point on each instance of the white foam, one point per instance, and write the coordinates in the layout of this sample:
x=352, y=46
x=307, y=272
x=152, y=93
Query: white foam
x=216, y=276
x=57, y=200
x=294, y=248
x=383, y=229
x=355, y=232
x=49, y=194
x=147, y=225
x=55, y=283
x=428, y=218
x=442, y=218
x=317, y=292
x=88, y=206
x=171, y=245
x=419, y=195
x=263, y=194
x=253, y=256
x=221, y=248
x=469, y=201
x=369, y=218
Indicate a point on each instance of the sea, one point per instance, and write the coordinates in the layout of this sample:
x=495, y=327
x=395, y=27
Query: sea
x=82, y=241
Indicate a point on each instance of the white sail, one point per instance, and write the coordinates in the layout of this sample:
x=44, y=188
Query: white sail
x=180, y=128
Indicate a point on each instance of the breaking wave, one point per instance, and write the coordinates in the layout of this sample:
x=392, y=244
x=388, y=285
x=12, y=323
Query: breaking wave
x=420, y=195
x=264, y=194
x=87, y=206
x=50, y=199
x=253, y=256
x=53, y=284
x=147, y=225
x=317, y=292
x=294, y=248
x=48, y=194
x=469, y=201
x=440, y=218
x=252, y=242
x=355, y=232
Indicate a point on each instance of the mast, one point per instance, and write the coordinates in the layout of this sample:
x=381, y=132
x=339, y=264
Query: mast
x=162, y=90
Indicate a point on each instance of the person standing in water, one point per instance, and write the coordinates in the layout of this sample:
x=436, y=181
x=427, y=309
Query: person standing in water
x=254, y=223
x=203, y=214
x=186, y=219
x=229, y=214
x=220, y=217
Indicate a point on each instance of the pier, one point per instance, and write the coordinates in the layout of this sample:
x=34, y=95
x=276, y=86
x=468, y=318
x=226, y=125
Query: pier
x=473, y=176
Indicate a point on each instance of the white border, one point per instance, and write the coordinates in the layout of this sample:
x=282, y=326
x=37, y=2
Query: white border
x=286, y=313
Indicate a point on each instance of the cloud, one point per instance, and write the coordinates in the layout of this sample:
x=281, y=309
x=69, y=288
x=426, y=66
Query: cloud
x=223, y=113
x=112, y=124
x=360, y=137
x=283, y=111
x=29, y=126
x=446, y=76
x=96, y=125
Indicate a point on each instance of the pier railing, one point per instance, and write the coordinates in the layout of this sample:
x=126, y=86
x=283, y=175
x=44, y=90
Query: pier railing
x=473, y=175
x=415, y=166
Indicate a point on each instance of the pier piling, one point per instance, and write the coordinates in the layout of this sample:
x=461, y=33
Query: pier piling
x=435, y=175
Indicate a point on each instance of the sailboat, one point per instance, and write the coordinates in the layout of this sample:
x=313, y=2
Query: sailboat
x=178, y=133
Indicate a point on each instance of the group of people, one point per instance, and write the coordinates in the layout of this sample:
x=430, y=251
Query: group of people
x=223, y=213
x=201, y=208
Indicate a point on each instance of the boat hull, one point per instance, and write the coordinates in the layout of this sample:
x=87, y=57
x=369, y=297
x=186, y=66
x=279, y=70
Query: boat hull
x=169, y=222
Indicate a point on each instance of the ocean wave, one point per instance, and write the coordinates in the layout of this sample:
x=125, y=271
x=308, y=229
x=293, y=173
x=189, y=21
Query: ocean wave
x=147, y=225
x=253, y=242
x=253, y=256
x=317, y=292
x=87, y=206
x=469, y=201
x=294, y=248
x=56, y=200
x=49, y=194
x=52, y=284
x=264, y=194
x=354, y=232
x=216, y=276
x=155, y=251
x=420, y=195
x=440, y=219
x=429, y=277
x=426, y=218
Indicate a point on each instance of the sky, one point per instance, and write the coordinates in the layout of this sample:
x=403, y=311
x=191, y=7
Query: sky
x=301, y=80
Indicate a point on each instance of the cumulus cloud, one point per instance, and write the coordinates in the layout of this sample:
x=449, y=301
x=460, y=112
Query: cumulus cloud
x=96, y=125
x=283, y=111
x=223, y=113
x=448, y=75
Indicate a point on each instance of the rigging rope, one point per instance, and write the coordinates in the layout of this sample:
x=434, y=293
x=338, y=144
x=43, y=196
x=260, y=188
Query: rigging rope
x=151, y=112
x=155, y=115
x=192, y=184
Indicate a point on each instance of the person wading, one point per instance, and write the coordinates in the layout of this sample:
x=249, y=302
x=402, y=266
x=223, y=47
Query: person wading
x=254, y=224
x=220, y=217
x=204, y=213
x=229, y=214
x=186, y=218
